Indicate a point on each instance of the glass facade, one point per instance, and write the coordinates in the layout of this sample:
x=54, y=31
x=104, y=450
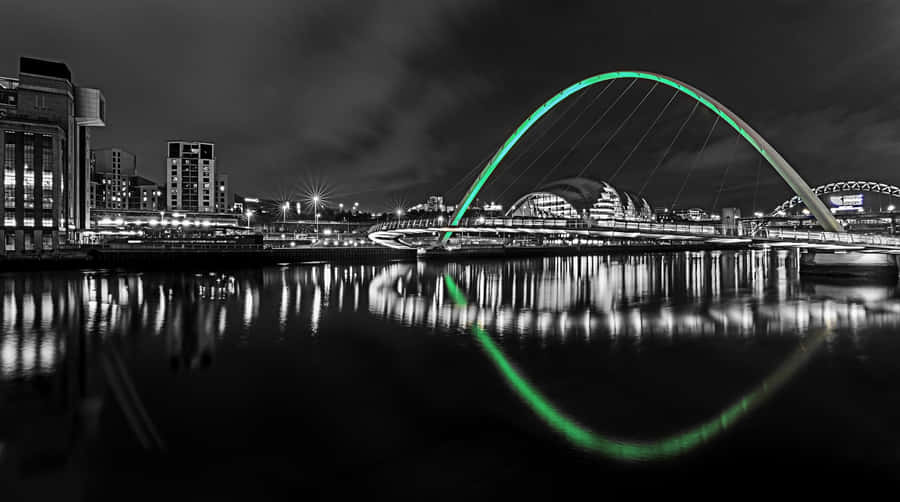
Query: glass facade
x=28, y=173
x=608, y=204
x=47, y=166
x=9, y=175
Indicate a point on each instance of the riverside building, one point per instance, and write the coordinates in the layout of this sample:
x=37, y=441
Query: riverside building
x=45, y=123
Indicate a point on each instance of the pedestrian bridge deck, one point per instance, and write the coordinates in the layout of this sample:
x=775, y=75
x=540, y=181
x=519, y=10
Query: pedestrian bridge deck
x=398, y=232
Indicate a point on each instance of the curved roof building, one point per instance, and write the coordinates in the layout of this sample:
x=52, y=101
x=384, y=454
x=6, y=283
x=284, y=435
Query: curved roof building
x=577, y=198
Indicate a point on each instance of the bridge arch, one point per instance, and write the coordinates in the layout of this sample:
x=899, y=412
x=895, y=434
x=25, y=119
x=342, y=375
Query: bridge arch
x=841, y=186
x=781, y=166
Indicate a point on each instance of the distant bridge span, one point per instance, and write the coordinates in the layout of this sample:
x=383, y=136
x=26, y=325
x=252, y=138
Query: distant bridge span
x=781, y=166
x=841, y=186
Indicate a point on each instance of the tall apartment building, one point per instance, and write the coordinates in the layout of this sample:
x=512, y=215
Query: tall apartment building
x=45, y=123
x=111, y=172
x=192, y=183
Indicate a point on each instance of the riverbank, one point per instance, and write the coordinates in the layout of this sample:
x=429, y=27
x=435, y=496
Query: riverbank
x=180, y=258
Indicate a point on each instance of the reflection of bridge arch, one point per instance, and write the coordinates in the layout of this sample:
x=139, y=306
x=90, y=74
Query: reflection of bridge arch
x=842, y=186
x=781, y=166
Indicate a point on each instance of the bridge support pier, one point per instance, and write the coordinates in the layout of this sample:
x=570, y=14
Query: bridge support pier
x=848, y=263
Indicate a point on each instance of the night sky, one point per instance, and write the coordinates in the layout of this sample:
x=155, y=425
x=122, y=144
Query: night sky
x=386, y=102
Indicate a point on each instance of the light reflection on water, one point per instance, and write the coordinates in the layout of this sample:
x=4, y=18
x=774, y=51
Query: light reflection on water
x=685, y=295
x=665, y=296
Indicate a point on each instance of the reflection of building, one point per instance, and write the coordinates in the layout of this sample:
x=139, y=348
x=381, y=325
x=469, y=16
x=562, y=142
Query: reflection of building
x=45, y=138
x=579, y=198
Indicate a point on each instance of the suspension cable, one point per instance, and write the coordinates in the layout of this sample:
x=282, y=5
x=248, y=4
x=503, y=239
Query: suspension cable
x=480, y=165
x=556, y=121
x=561, y=134
x=613, y=135
x=725, y=174
x=640, y=141
x=580, y=139
x=471, y=171
x=756, y=188
x=694, y=163
x=668, y=150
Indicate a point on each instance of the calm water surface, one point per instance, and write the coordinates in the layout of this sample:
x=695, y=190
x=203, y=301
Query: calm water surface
x=330, y=380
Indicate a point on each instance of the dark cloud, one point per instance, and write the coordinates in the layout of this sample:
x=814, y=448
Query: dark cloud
x=401, y=98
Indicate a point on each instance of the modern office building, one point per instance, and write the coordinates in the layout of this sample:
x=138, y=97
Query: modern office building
x=191, y=176
x=111, y=172
x=45, y=123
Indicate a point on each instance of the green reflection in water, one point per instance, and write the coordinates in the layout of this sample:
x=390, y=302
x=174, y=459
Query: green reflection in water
x=666, y=447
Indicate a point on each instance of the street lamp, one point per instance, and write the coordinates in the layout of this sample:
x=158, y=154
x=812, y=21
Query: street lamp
x=249, y=215
x=316, y=209
x=891, y=207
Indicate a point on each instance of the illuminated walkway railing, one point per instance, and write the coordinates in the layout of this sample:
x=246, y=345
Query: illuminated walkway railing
x=686, y=230
x=561, y=224
x=829, y=237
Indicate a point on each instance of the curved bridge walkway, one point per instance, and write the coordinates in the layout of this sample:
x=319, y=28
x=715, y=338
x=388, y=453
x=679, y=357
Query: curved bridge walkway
x=403, y=233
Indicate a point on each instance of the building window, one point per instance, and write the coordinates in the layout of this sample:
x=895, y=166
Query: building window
x=47, y=172
x=9, y=171
x=28, y=182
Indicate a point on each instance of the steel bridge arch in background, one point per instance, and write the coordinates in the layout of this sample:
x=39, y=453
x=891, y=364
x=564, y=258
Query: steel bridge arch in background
x=841, y=186
x=781, y=166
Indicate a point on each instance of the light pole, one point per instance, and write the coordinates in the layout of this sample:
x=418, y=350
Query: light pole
x=284, y=210
x=316, y=209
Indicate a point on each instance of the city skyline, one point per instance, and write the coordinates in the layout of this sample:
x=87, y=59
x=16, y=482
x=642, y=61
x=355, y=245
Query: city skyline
x=399, y=138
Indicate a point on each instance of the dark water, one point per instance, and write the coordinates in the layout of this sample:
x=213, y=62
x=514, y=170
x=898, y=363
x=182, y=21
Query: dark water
x=326, y=381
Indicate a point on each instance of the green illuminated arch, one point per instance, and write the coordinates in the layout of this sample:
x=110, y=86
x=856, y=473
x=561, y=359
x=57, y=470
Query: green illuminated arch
x=667, y=447
x=781, y=166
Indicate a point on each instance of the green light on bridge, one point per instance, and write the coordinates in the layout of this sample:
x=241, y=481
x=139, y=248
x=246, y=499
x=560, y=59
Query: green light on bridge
x=565, y=93
x=667, y=447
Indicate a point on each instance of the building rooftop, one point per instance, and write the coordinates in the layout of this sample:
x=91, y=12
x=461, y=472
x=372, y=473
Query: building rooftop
x=44, y=68
x=140, y=180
